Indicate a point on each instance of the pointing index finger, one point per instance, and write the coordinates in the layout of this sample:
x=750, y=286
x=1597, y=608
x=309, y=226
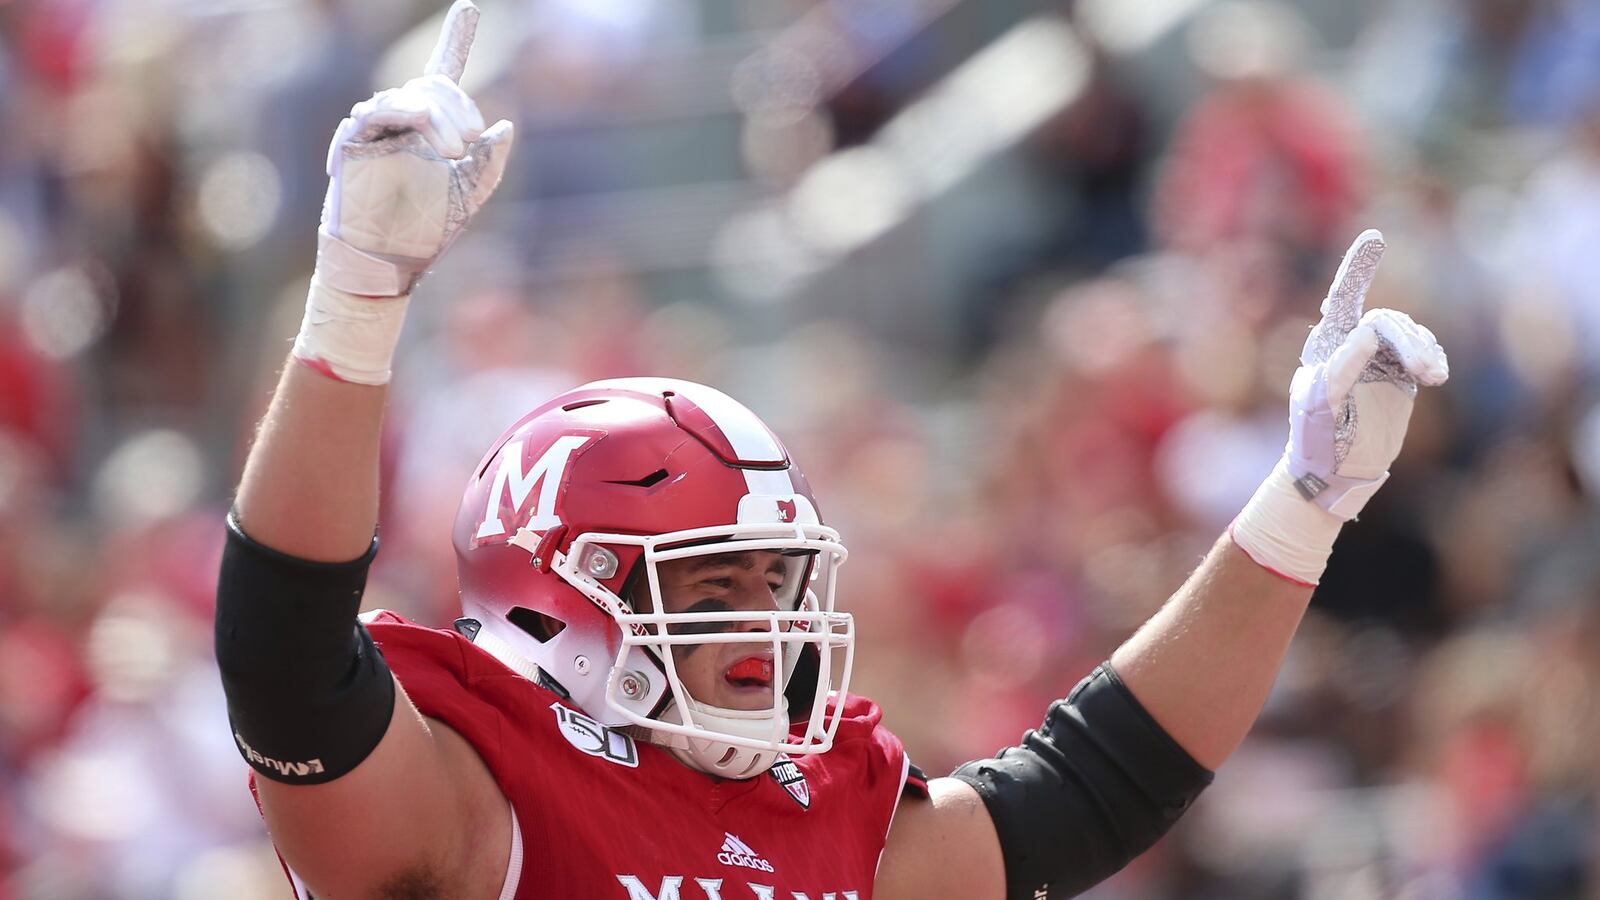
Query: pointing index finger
x=1342, y=307
x=449, y=56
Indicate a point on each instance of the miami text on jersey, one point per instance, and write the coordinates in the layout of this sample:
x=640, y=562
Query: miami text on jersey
x=672, y=888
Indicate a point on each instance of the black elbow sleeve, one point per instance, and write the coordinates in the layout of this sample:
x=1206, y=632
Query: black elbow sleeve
x=309, y=695
x=1095, y=786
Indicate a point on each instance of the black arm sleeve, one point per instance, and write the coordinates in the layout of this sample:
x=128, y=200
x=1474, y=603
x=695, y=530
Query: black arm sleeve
x=309, y=695
x=1095, y=786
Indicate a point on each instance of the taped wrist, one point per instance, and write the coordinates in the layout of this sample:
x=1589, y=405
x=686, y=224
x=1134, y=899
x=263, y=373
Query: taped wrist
x=309, y=695
x=1284, y=531
x=1094, y=787
x=355, y=309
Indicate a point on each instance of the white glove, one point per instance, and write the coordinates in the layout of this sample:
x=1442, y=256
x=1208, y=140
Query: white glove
x=1349, y=405
x=407, y=171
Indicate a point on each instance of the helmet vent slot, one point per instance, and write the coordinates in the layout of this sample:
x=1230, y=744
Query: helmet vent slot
x=541, y=626
x=651, y=480
x=580, y=404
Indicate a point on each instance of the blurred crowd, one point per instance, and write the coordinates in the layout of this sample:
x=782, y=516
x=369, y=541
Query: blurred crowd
x=1030, y=400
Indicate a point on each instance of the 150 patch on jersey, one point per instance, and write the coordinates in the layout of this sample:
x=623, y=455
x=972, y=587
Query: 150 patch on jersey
x=789, y=776
x=595, y=739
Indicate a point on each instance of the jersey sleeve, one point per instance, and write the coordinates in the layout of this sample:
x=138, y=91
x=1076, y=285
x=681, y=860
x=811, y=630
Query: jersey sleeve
x=913, y=781
x=916, y=786
x=886, y=768
x=434, y=668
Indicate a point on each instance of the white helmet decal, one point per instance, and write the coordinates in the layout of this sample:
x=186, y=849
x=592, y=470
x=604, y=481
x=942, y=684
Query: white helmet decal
x=549, y=473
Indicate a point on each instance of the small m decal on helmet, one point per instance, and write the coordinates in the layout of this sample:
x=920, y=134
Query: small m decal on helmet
x=786, y=511
x=548, y=474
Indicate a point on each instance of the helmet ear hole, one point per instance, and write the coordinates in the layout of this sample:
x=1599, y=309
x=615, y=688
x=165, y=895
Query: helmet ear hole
x=543, y=627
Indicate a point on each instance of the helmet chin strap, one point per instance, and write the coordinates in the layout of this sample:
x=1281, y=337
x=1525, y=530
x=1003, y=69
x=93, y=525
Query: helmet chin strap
x=719, y=758
x=501, y=649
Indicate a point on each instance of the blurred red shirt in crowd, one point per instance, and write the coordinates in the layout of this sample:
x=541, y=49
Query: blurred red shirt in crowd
x=1269, y=157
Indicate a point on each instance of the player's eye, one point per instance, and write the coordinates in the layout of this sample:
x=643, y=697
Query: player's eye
x=708, y=604
x=699, y=627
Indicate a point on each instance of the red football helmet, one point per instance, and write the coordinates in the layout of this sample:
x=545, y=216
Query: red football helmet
x=568, y=516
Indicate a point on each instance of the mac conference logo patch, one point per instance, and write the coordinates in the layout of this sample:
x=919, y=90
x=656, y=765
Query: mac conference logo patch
x=791, y=779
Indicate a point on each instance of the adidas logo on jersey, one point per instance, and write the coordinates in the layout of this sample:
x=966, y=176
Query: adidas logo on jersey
x=737, y=853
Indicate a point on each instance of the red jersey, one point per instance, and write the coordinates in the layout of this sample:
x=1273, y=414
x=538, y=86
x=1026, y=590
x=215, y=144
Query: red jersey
x=601, y=816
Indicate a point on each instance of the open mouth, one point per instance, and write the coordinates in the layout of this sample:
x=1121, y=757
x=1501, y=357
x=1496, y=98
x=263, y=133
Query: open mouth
x=750, y=672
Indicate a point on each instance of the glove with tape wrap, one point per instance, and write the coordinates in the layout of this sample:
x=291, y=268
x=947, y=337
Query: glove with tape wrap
x=407, y=170
x=1349, y=406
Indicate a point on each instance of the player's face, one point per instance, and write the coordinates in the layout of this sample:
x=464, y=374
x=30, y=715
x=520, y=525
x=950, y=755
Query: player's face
x=736, y=675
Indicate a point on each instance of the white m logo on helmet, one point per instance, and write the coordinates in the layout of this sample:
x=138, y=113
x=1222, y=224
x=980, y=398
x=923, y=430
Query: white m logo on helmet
x=548, y=473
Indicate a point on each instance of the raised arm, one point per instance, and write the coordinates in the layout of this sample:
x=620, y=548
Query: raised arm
x=361, y=793
x=1117, y=762
x=1203, y=664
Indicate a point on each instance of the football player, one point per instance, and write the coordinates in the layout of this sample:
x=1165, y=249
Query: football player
x=646, y=698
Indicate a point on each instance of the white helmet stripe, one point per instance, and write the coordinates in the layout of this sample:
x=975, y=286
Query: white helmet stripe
x=748, y=435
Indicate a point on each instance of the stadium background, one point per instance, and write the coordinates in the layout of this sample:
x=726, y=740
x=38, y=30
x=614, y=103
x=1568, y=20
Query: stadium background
x=1022, y=283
